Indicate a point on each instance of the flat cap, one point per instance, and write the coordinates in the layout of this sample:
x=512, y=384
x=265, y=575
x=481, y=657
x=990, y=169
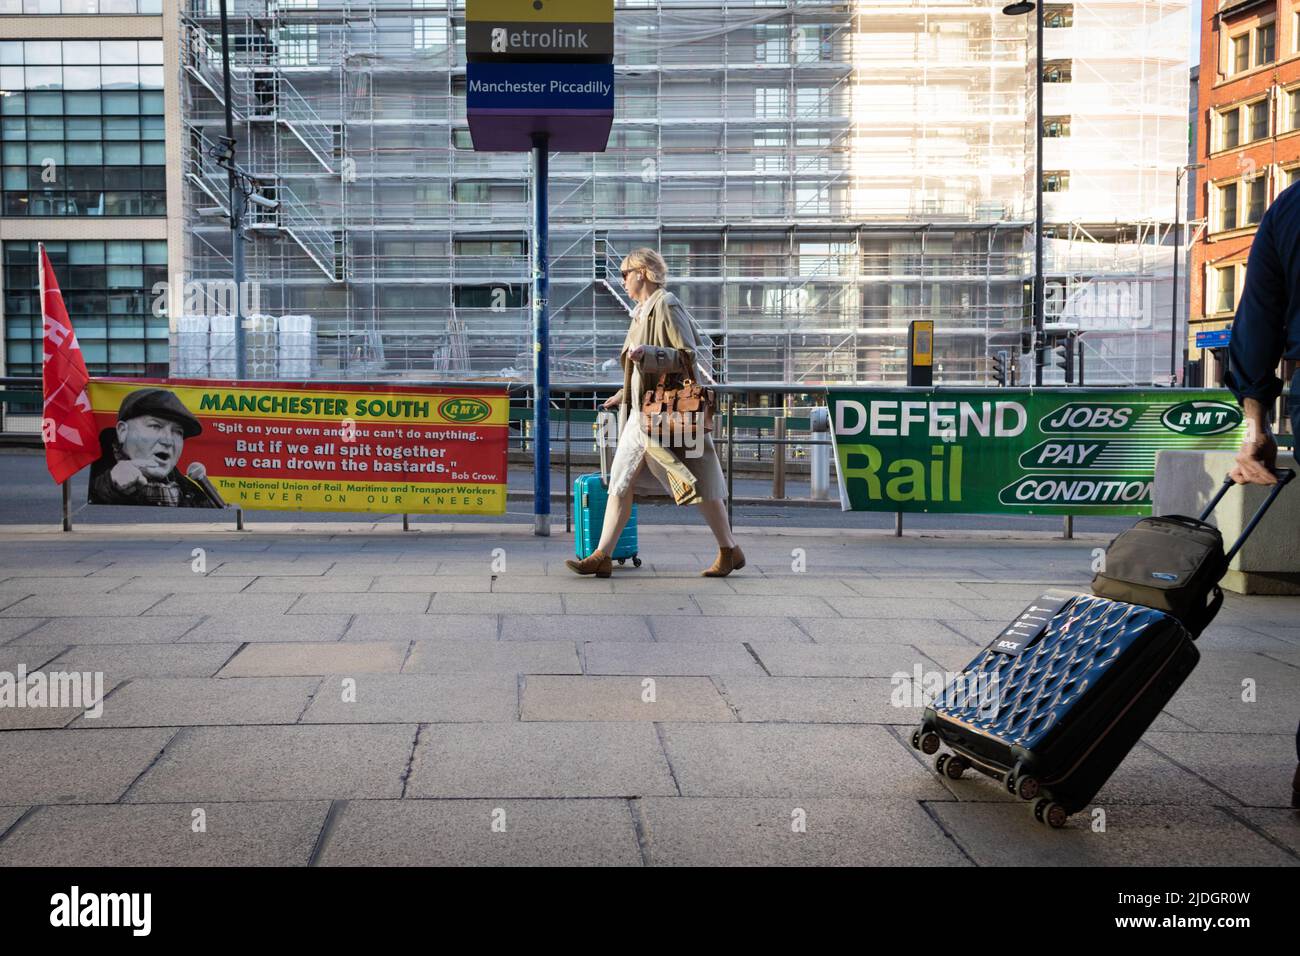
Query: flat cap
x=162, y=404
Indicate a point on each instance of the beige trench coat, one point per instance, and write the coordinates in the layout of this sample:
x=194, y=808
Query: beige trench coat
x=663, y=325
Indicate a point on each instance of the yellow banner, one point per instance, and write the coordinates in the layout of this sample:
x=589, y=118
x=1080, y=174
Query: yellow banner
x=407, y=497
x=551, y=11
x=253, y=401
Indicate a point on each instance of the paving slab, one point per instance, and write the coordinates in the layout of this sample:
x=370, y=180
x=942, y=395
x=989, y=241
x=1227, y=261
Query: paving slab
x=12, y=628
x=429, y=583
x=87, y=630
x=688, y=831
x=31, y=656
x=363, y=603
x=1282, y=826
x=285, y=660
x=194, y=583
x=482, y=833
x=624, y=628
x=1240, y=693
x=199, y=702
x=1255, y=769
x=414, y=698
x=453, y=602
x=588, y=759
x=797, y=586
x=681, y=629
x=560, y=698
x=1007, y=835
x=310, y=584
x=423, y=627
x=75, y=766
x=86, y=604
x=22, y=586
x=498, y=657
x=884, y=607
x=838, y=660
x=836, y=630
x=119, y=662
x=227, y=764
x=9, y=816
x=799, y=761
x=670, y=605
x=233, y=834
x=224, y=605
x=820, y=700
x=274, y=628
x=678, y=658
x=749, y=605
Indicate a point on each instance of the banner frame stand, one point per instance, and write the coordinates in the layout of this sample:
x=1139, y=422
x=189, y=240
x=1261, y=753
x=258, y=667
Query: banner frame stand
x=66, y=485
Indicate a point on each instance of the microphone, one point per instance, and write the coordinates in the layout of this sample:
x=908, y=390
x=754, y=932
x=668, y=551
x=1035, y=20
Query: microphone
x=199, y=475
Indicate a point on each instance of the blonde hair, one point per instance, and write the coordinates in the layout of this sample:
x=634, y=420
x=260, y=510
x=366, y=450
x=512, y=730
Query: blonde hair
x=646, y=259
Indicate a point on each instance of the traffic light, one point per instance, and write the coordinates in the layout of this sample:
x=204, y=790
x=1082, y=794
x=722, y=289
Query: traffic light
x=1063, y=358
x=1002, y=367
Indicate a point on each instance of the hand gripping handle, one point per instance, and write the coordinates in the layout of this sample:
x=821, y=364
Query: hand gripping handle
x=1283, y=475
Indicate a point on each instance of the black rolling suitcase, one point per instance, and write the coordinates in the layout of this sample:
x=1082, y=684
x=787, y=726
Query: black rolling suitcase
x=1054, y=704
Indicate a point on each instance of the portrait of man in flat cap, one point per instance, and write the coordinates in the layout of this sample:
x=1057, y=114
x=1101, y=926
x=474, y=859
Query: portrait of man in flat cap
x=140, y=456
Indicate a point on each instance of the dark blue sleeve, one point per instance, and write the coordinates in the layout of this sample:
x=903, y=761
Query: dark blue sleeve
x=1259, y=330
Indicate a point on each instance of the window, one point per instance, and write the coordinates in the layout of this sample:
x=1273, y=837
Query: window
x=1291, y=106
x=813, y=101
x=1058, y=71
x=82, y=131
x=1058, y=16
x=1256, y=199
x=1055, y=127
x=1258, y=120
x=772, y=41
x=461, y=139
x=1265, y=44
x=771, y=101
x=1241, y=53
x=1227, y=206
x=1292, y=175
x=1230, y=128
x=1055, y=181
x=1225, y=288
x=298, y=45
x=108, y=289
x=428, y=33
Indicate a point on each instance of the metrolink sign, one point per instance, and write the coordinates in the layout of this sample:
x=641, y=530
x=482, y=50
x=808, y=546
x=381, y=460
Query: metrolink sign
x=1018, y=451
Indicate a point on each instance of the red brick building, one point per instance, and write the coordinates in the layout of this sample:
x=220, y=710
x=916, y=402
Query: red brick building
x=1248, y=134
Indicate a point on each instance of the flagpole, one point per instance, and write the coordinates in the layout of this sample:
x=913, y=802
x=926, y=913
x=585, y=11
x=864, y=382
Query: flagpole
x=67, y=505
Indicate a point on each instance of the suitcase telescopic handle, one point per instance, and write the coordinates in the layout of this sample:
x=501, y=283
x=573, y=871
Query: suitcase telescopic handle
x=1283, y=475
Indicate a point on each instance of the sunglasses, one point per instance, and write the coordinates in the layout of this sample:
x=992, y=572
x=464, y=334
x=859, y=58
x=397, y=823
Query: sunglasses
x=628, y=272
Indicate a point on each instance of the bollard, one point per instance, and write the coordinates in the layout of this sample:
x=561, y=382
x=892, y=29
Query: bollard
x=67, y=505
x=778, y=460
x=1069, y=526
x=820, y=458
x=406, y=522
x=239, y=519
x=898, y=524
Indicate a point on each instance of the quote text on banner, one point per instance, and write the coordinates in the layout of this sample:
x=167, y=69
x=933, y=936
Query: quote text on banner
x=300, y=446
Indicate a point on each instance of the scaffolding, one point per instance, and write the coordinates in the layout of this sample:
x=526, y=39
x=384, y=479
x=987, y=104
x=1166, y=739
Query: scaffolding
x=817, y=175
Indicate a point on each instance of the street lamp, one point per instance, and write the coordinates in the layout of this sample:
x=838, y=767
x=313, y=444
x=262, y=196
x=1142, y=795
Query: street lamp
x=227, y=149
x=1178, y=239
x=1020, y=8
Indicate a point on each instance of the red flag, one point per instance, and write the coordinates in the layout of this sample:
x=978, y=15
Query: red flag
x=67, y=425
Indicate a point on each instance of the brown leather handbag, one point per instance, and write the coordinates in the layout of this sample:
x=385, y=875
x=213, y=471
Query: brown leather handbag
x=678, y=414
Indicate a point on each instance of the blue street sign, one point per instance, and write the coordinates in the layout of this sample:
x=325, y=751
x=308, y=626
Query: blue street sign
x=1217, y=339
x=554, y=88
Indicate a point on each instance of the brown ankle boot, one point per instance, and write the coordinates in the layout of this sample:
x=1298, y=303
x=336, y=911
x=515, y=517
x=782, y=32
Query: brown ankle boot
x=728, y=560
x=597, y=563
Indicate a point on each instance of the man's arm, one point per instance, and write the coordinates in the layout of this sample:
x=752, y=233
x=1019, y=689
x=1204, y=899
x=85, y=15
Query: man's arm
x=1258, y=339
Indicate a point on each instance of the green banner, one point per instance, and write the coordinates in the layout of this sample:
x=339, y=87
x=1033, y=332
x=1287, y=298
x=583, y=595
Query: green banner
x=1018, y=451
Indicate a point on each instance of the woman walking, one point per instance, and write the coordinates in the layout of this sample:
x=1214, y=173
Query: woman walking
x=662, y=342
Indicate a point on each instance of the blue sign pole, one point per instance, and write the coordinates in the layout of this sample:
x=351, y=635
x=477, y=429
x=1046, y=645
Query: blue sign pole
x=541, y=344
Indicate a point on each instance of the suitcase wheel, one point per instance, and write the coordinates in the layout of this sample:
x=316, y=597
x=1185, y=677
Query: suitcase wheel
x=636, y=562
x=1026, y=787
x=622, y=561
x=927, y=742
x=1050, y=813
x=950, y=766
